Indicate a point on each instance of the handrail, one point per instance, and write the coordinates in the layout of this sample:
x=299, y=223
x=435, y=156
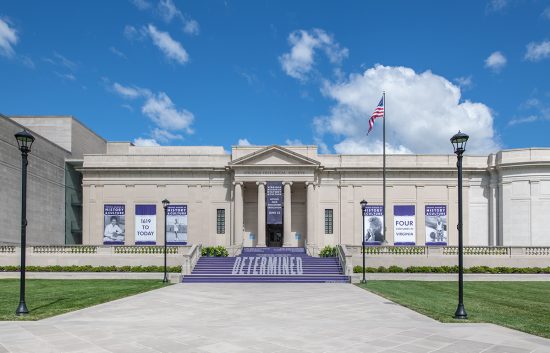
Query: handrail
x=345, y=259
x=191, y=259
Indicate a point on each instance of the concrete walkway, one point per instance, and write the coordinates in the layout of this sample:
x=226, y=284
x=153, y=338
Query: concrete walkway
x=244, y=318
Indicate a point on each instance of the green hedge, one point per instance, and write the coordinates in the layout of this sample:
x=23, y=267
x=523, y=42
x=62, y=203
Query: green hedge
x=451, y=269
x=214, y=251
x=328, y=251
x=89, y=268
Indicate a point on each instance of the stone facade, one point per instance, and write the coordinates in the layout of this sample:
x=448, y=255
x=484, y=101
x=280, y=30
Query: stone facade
x=506, y=195
x=73, y=173
x=54, y=202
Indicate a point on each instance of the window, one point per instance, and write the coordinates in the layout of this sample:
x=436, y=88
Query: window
x=220, y=221
x=329, y=223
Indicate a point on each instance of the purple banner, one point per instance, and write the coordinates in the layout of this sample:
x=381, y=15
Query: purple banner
x=177, y=210
x=404, y=225
x=114, y=224
x=373, y=218
x=274, y=202
x=146, y=225
x=436, y=224
x=176, y=225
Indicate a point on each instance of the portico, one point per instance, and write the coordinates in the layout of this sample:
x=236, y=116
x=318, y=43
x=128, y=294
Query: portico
x=295, y=175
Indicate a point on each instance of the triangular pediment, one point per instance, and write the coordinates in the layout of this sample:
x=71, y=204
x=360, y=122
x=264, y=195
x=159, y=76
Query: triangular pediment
x=274, y=156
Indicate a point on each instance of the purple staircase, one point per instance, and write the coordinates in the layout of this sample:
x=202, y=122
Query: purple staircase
x=268, y=265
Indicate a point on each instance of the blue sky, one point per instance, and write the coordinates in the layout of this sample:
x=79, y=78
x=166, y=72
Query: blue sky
x=284, y=72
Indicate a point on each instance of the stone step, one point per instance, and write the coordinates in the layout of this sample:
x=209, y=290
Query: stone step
x=265, y=279
x=314, y=269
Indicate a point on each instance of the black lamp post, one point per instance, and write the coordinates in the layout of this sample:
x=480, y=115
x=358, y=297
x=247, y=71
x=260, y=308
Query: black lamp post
x=165, y=204
x=363, y=206
x=459, y=143
x=24, y=141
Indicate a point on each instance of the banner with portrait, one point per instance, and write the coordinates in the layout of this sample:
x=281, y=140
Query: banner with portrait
x=373, y=224
x=274, y=202
x=176, y=225
x=113, y=224
x=146, y=224
x=436, y=225
x=404, y=225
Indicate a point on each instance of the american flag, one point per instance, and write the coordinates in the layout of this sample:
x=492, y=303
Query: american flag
x=378, y=113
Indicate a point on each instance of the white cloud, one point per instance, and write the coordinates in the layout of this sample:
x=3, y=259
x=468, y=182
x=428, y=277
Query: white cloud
x=464, y=82
x=295, y=142
x=243, y=142
x=63, y=61
x=191, y=26
x=128, y=107
x=162, y=111
x=496, y=62
x=130, y=92
x=358, y=146
x=546, y=13
x=301, y=59
x=539, y=111
x=141, y=4
x=117, y=52
x=8, y=38
x=142, y=142
x=523, y=120
x=69, y=77
x=424, y=111
x=164, y=135
x=28, y=62
x=538, y=51
x=132, y=33
x=497, y=5
x=168, y=11
x=170, y=47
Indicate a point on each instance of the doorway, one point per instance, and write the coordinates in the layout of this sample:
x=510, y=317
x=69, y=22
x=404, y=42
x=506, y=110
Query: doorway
x=274, y=235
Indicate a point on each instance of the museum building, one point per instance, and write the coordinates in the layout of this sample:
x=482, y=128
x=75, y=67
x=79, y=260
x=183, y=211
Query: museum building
x=91, y=191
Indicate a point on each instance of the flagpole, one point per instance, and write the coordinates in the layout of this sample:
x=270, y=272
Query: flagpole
x=384, y=163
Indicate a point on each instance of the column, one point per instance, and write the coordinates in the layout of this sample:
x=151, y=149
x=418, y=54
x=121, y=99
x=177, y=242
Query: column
x=493, y=209
x=261, y=213
x=287, y=241
x=238, y=222
x=310, y=214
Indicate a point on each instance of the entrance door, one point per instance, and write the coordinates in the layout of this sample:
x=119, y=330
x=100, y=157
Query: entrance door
x=274, y=235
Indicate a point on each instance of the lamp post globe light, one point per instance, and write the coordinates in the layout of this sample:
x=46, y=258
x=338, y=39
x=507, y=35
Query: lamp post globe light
x=165, y=204
x=459, y=143
x=24, y=142
x=363, y=207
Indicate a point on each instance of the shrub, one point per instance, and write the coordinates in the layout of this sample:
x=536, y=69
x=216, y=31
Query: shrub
x=395, y=269
x=89, y=268
x=214, y=251
x=452, y=269
x=328, y=251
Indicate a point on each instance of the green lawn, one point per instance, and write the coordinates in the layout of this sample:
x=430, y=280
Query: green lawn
x=523, y=306
x=47, y=298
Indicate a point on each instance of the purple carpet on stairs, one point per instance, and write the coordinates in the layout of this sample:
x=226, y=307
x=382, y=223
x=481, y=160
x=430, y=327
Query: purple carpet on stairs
x=268, y=265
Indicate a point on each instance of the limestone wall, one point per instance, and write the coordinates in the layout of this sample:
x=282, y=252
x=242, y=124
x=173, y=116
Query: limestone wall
x=45, y=188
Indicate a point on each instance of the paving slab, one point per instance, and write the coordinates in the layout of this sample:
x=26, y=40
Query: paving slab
x=259, y=317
